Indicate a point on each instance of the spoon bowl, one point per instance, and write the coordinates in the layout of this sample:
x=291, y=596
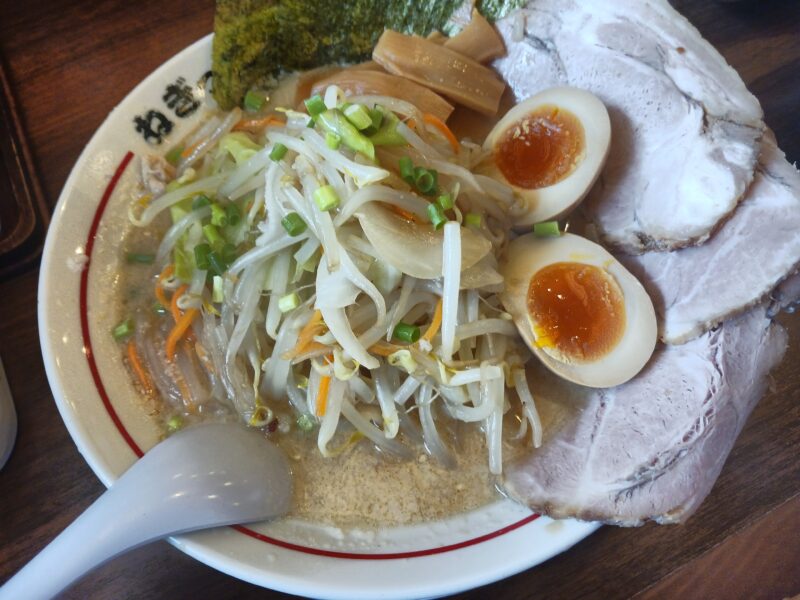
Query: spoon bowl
x=206, y=476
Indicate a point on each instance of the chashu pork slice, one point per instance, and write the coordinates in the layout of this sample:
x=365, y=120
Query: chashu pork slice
x=650, y=449
x=685, y=129
x=695, y=288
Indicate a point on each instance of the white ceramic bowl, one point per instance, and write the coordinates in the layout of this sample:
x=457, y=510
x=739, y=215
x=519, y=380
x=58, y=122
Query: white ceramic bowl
x=111, y=427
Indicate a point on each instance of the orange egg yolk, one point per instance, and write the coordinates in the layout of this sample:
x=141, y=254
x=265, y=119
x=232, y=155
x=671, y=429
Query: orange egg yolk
x=576, y=309
x=542, y=148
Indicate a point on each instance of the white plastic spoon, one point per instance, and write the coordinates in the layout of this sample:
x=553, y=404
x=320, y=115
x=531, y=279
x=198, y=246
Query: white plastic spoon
x=206, y=476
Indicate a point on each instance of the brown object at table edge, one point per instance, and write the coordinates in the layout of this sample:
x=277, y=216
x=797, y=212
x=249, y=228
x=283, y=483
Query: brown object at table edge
x=23, y=214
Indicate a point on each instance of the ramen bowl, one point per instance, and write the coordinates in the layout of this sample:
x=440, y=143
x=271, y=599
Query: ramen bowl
x=113, y=425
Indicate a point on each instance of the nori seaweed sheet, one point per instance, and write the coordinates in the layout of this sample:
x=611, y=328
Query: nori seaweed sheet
x=257, y=39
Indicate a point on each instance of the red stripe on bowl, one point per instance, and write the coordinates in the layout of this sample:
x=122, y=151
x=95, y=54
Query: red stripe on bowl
x=386, y=555
x=87, y=338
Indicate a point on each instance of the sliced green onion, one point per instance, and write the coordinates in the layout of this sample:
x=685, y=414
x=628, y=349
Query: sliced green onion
x=159, y=308
x=142, y=259
x=217, y=293
x=406, y=333
x=376, y=116
x=333, y=121
x=546, y=229
x=435, y=188
x=228, y=253
x=333, y=141
x=215, y=264
x=213, y=236
x=473, y=219
x=305, y=422
x=357, y=114
x=200, y=201
x=315, y=105
x=445, y=201
x=426, y=180
x=436, y=215
x=233, y=213
x=174, y=424
x=254, y=101
x=218, y=216
x=293, y=224
x=387, y=134
x=201, y=253
x=278, y=152
x=312, y=122
x=326, y=197
x=123, y=330
x=288, y=302
x=173, y=157
x=407, y=170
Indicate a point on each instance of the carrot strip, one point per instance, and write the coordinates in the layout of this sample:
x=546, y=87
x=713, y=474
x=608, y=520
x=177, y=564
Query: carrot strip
x=173, y=305
x=384, y=348
x=436, y=323
x=161, y=296
x=179, y=330
x=443, y=129
x=408, y=216
x=257, y=124
x=136, y=365
x=322, y=395
x=176, y=312
x=412, y=124
x=187, y=152
x=167, y=272
x=311, y=348
x=315, y=326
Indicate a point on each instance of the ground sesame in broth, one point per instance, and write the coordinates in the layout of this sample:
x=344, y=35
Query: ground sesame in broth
x=361, y=488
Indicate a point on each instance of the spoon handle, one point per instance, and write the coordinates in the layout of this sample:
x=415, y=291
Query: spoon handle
x=103, y=531
x=207, y=476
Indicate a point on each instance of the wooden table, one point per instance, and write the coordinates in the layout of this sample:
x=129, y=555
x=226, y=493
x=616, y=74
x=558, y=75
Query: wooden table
x=71, y=62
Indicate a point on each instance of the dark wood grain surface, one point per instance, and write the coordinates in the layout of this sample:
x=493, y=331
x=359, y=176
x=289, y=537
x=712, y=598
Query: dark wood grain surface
x=70, y=62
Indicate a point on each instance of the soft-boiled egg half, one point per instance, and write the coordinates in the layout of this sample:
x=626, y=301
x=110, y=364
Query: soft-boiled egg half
x=550, y=148
x=579, y=310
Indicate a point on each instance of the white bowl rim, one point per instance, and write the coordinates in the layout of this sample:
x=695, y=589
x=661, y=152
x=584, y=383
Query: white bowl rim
x=212, y=548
